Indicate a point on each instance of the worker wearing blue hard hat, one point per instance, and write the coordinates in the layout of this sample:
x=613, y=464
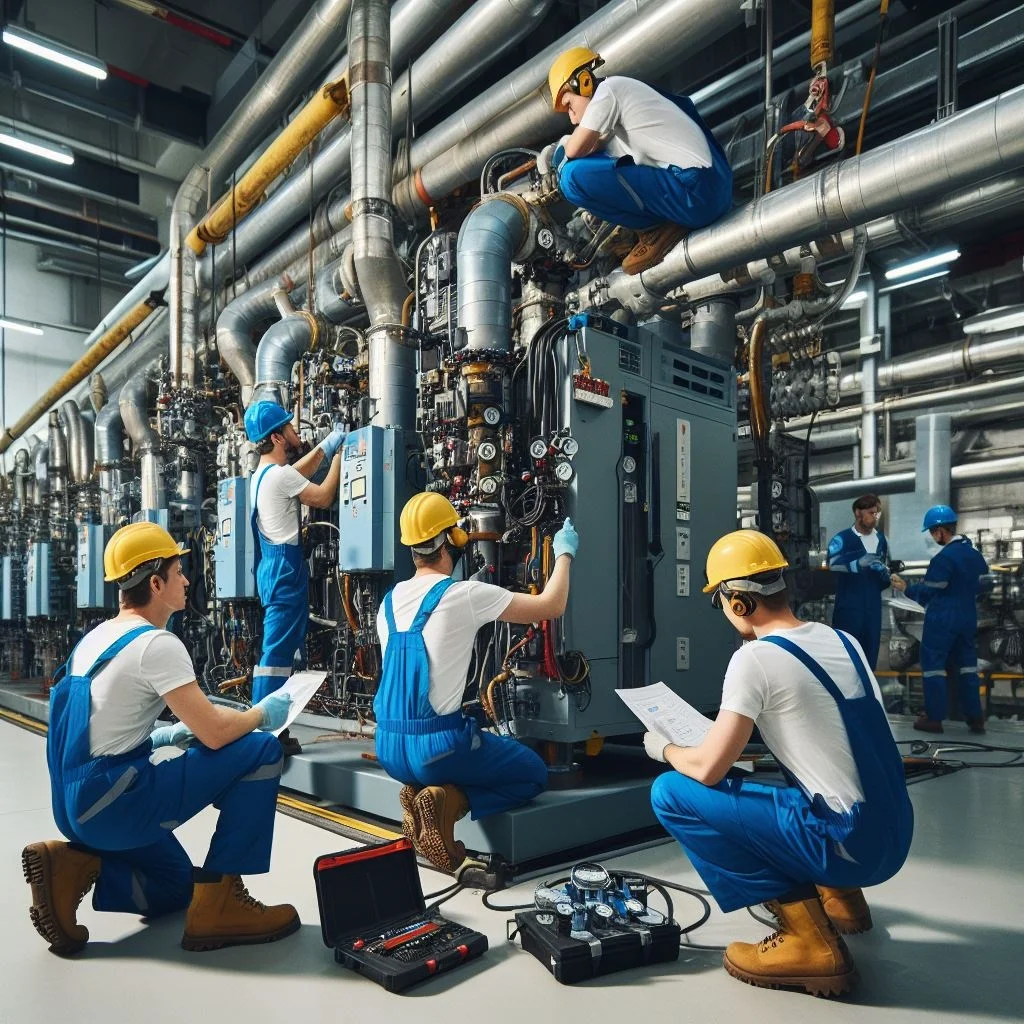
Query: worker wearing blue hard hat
x=949, y=591
x=282, y=579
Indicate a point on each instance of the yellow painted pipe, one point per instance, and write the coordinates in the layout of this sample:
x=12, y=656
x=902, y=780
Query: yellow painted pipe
x=823, y=27
x=326, y=105
x=80, y=370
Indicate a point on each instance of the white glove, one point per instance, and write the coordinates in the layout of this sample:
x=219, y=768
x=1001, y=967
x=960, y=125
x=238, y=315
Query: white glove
x=552, y=156
x=655, y=744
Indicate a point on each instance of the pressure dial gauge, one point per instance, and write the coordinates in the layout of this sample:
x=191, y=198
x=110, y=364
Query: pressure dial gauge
x=570, y=446
x=563, y=472
x=538, y=448
x=492, y=416
x=634, y=906
x=603, y=913
x=629, y=464
x=545, y=238
x=590, y=876
x=488, y=485
x=546, y=919
x=487, y=451
x=776, y=489
x=548, y=898
x=650, y=916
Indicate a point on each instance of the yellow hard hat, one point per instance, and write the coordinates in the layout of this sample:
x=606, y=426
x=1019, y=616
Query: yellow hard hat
x=573, y=69
x=740, y=555
x=427, y=517
x=134, y=545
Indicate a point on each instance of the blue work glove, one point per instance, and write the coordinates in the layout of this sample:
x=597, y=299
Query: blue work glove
x=331, y=443
x=567, y=540
x=275, y=710
x=170, y=735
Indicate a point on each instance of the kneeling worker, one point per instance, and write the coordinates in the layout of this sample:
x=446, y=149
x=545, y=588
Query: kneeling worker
x=118, y=809
x=845, y=819
x=637, y=157
x=427, y=628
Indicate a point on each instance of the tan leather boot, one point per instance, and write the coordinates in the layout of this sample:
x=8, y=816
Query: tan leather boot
x=652, y=247
x=60, y=877
x=410, y=819
x=224, y=914
x=439, y=808
x=806, y=952
x=847, y=909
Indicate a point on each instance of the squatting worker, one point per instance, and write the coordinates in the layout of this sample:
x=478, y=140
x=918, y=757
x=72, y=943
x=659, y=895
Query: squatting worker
x=843, y=822
x=949, y=593
x=282, y=578
x=118, y=809
x=860, y=555
x=637, y=157
x=427, y=628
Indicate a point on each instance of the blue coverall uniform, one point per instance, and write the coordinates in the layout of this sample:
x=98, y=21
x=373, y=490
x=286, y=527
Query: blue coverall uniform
x=282, y=582
x=752, y=842
x=124, y=809
x=640, y=196
x=859, y=585
x=419, y=747
x=949, y=591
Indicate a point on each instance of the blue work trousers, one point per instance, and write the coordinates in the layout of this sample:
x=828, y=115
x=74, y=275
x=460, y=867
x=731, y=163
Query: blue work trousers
x=942, y=646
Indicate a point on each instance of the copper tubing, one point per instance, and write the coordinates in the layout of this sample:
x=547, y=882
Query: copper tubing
x=823, y=27
x=346, y=603
x=407, y=309
x=546, y=560
x=758, y=409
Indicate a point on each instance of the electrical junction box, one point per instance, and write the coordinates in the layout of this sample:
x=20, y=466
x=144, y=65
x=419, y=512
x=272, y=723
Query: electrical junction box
x=368, y=502
x=37, y=580
x=234, y=546
x=7, y=595
x=92, y=591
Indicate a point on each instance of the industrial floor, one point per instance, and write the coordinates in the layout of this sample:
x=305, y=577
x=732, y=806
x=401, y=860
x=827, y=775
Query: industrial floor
x=948, y=942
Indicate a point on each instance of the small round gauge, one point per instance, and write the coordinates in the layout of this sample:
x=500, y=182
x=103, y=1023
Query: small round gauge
x=570, y=446
x=629, y=464
x=538, y=448
x=545, y=897
x=650, y=916
x=590, y=876
x=545, y=238
x=603, y=911
x=776, y=488
x=545, y=919
x=487, y=451
x=488, y=485
x=634, y=906
x=564, y=909
x=492, y=416
x=564, y=472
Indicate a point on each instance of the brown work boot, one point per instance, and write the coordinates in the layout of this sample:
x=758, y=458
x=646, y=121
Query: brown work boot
x=847, y=909
x=806, y=952
x=224, y=914
x=976, y=725
x=60, y=877
x=439, y=807
x=652, y=247
x=925, y=724
x=410, y=819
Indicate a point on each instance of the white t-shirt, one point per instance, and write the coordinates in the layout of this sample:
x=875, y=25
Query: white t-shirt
x=277, y=502
x=128, y=693
x=797, y=717
x=870, y=540
x=450, y=631
x=645, y=125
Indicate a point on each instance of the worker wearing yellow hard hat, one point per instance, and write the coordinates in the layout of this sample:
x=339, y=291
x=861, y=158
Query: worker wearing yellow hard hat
x=117, y=809
x=427, y=627
x=637, y=158
x=842, y=822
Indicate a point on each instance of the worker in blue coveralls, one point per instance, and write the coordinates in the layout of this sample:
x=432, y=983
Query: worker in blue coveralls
x=860, y=557
x=427, y=627
x=637, y=157
x=949, y=591
x=282, y=578
x=844, y=820
x=118, y=808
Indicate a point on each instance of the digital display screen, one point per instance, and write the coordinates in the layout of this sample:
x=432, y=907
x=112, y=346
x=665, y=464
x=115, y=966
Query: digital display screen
x=357, y=489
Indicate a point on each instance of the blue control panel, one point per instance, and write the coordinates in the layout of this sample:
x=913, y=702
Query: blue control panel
x=233, y=548
x=366, y=501
x=37, y=580
x=92, y=592
x=7, y=594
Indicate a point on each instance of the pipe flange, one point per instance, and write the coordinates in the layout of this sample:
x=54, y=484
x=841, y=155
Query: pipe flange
x=399, y=333
x=372, y=206
x=314, y=326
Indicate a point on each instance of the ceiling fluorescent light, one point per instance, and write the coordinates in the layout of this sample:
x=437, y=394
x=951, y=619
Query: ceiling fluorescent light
x=908, y=269
x=37, y=147
x=57, y=53
x=912, y=281
x=6, y=324
x=854, y=299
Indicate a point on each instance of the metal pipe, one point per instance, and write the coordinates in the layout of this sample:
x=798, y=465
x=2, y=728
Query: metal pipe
x=21, y=471
x=823, y=21
x=133, y=403
x=330, y=294
x=79, y=448
x=713, y=330
x=109, y=433
x=868, y=375
x=279, y=349
x=42, y=486
x=57, y=455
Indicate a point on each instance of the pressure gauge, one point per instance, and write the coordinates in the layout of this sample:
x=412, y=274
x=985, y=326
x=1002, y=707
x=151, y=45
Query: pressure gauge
x=634, y=906
x=487, y=451
x=776, y=489
x=651, y=916
x=603, y=913
x=538, y=448
x=563, y=472
x=545, y=238
x=547, y=898
x=545, y=919
x=590, y=876
x=629, y=464
x=488, y=485
x=492, y=416
x=570, y=446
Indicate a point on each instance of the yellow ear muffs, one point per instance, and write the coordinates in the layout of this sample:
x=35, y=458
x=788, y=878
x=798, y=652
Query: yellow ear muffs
x=457, y=537
x=741, y=604
x=584, y=82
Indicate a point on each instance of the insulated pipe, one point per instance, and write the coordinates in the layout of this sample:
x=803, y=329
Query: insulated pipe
x=279, y=349
x=869, y=377
x=79, y=449
x=57, y=455
x=713, y=330
x=80, y=370
x=823, y=27
x=109, y=434
x=21, y=471
x=133, y=403
x=329, y=290
x=489, y=239
x=42, y=487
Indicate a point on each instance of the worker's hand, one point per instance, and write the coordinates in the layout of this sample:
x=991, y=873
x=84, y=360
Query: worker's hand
x=331, y=443
x=898, y=583
x=655, y=744
x=170, y=735
x=881, y=574
x=275, y=710
x=551, y=157
x=567, y=540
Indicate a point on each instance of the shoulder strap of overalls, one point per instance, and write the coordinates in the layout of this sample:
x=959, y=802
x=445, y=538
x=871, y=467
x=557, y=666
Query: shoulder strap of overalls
x=430, y=602
x=812, y=666
x=389, y=613
x=116, y=648
x=260, y=474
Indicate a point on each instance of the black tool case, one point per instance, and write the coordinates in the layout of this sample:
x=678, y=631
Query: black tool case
x=371, y=897
x=615, y=949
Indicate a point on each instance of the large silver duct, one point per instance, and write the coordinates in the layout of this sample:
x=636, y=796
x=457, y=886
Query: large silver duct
x=57, y=457
x=381, y=278
x=21, y=472
x=280, y=347
x=134, y=405
x=109, y=433
x=40, y=462
x=79, y=442
x=488, y=242
x=329, y=287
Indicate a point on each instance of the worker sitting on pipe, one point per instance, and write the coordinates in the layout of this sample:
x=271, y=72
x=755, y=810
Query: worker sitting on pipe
x=843, y=821
x=118, y=808
x=637, y=157
x=427, y=627
x=282, y=578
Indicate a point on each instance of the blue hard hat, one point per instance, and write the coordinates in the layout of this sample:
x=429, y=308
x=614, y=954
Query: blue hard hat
x=263, y=418
x=938, y=515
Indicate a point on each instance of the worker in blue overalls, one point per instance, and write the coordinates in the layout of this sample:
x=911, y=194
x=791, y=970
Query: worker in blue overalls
x=860, y=557
x=844, y=821
x=949, y=591
x=118, y=808
x=638, y=158
x=427, y=627
x=279, y=491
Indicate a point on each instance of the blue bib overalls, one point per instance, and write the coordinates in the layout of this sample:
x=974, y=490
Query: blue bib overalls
x=124, y=808
x=752, y=842
x=860, y=580
x=282, y=582
x=418, y=747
